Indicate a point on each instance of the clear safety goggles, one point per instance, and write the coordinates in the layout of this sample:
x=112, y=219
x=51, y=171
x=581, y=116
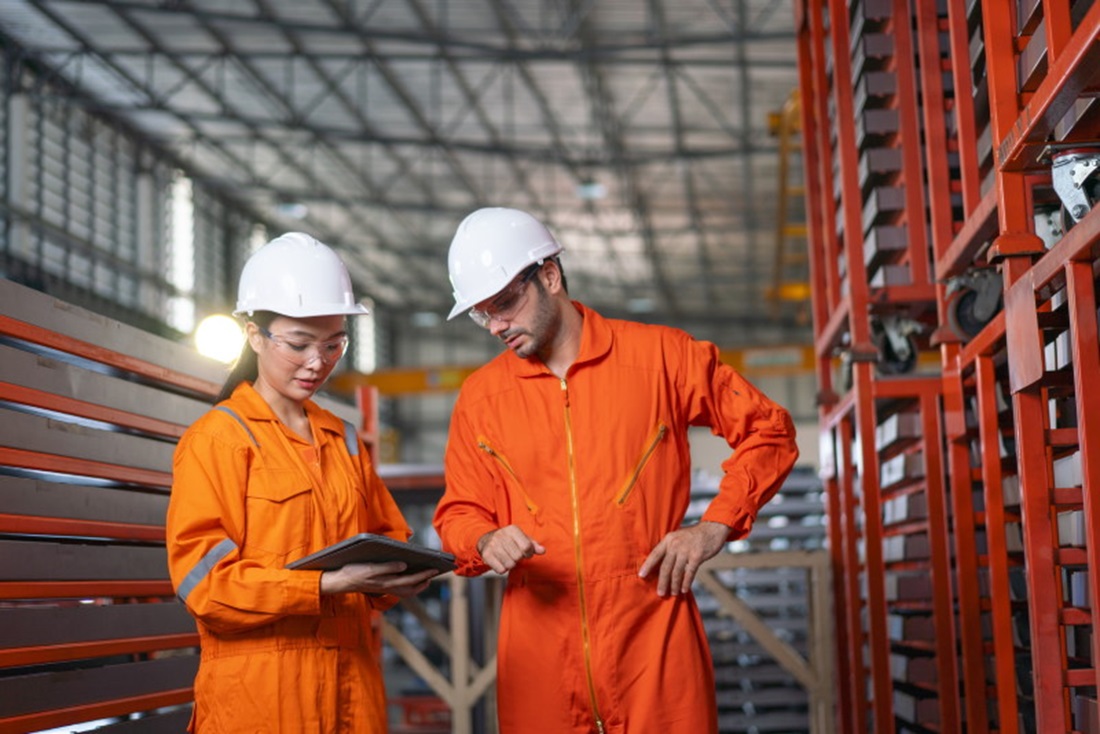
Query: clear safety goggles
x=508, y=302
x=302, y=353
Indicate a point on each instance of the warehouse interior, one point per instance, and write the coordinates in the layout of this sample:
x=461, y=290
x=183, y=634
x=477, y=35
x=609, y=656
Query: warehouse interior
x=880, y=211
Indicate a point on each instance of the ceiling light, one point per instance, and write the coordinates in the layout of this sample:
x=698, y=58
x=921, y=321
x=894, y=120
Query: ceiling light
x=219, y=337
x=426, y=319
x=589, y=190
x=291, y=209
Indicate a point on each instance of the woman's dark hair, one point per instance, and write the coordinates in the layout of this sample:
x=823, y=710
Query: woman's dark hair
x=245, y=368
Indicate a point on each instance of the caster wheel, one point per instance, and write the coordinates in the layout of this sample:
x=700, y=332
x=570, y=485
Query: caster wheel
x=890, y=362
x=961, y=316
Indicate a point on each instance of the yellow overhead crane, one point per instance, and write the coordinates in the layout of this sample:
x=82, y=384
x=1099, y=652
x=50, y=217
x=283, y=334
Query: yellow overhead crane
x=790, y=233
x=752, y=361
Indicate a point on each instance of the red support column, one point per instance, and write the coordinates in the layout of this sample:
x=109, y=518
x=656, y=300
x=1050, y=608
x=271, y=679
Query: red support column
x=856, y=685
x=1081, y=297
x=965, y=174
x=1000, y=593
x=874, y=569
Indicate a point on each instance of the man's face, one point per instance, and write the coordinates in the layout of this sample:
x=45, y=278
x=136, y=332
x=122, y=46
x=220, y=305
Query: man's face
x=531, y=329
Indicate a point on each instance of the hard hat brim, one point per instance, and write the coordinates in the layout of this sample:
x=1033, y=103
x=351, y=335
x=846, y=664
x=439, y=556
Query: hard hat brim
x=355, y=309
x=457, y=310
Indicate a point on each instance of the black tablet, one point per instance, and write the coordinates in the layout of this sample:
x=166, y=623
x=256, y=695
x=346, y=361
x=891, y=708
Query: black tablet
x=371, y=548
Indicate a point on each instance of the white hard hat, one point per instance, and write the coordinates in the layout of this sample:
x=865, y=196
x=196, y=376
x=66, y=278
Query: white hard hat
x=295, y=275
x=490, y=248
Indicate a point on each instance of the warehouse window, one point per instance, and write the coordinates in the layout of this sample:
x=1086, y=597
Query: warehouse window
x=363, y=331
x=256, y=240
x=181, y=251
x=96, y=215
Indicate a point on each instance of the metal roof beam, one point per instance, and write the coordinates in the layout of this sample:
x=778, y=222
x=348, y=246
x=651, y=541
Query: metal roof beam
x=496, y=144
x=538, y=154
x=297, y=120
x=748, y=173
x=579, y=171
x=243, y=166
x=600, y=99
x=372, y=57
x=686, y=179
x=624, y=42
x=407, y=99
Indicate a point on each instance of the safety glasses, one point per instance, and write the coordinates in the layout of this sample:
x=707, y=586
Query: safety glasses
x=508, y=302
x=302, y=353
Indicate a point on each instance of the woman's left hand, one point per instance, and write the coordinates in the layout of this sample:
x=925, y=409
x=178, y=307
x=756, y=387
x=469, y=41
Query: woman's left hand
x=376, y=578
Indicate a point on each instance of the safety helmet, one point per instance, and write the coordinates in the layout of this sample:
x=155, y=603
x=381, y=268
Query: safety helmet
x=295, y=275
x=490, y=248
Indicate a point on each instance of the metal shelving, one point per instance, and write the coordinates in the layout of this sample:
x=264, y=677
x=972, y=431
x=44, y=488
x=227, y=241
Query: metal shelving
x=771, y=576
x=952, y=150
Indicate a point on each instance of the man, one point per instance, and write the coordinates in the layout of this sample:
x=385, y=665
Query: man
x=568, y=468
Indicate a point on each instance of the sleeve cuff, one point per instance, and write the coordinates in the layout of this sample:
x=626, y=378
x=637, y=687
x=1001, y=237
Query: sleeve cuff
x=740, y=521
x=381, y=602
x=303, y=592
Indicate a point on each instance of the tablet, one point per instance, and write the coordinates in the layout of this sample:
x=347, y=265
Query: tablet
x=371, y=548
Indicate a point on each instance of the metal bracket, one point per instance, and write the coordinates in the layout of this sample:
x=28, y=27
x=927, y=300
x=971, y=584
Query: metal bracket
x=1048, y=225
x=1070, y=175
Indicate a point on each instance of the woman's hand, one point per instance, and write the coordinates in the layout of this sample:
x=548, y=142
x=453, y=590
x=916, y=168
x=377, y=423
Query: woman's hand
x=376, y=578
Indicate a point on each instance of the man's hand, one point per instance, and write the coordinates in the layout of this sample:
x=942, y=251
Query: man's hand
x=505, y=547
x=681, y=552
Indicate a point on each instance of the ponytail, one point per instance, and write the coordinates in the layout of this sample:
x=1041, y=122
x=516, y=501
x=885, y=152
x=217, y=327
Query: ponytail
x=246, y=368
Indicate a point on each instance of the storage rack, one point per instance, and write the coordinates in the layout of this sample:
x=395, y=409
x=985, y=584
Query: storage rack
x=754, y=691
x=962, y=529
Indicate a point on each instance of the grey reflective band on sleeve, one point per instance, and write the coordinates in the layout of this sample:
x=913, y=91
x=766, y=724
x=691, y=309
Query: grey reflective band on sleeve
x=351, y=438
x=237, y=418
x=202, y=568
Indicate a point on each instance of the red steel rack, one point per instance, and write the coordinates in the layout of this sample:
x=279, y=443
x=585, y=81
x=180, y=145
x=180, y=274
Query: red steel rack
x=952, y=154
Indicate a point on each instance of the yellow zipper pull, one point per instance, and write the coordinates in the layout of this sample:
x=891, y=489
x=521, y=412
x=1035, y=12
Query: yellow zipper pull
x=565, y=391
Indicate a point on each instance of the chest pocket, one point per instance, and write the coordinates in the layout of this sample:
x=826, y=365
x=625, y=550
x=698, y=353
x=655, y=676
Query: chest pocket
x=279, y=507
x=631, y=480
x=280, y=512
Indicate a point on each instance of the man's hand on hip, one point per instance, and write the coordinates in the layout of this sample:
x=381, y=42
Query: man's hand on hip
x=680, y=554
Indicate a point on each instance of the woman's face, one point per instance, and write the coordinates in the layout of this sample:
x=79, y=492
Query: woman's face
x=295, y=356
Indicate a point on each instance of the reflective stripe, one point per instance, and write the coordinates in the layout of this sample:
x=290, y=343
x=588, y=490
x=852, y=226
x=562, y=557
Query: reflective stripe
x=202, y=568
x=351, y=438
x=237, y=418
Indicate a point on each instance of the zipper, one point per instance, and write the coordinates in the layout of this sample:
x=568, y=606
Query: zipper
x=585, y=632
x=632, y=480
x=483, y=444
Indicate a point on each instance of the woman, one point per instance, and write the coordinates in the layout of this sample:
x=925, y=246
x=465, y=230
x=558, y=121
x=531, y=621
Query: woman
x=268, y=477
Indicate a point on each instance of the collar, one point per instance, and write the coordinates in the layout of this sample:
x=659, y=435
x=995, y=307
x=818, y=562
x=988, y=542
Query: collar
x=248, y=403
x=596, y=339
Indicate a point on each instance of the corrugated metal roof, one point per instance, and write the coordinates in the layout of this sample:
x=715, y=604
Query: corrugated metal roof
x=393, y=119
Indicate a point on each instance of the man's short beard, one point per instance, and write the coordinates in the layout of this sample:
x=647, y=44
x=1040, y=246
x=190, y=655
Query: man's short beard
x=544, y=329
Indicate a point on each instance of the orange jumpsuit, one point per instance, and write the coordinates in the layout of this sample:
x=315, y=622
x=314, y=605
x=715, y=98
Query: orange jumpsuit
x=596, y=468
x=248, y=497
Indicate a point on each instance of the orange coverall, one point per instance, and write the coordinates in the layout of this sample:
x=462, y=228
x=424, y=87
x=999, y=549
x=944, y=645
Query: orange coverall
x=596, y=468
x=276, y=655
